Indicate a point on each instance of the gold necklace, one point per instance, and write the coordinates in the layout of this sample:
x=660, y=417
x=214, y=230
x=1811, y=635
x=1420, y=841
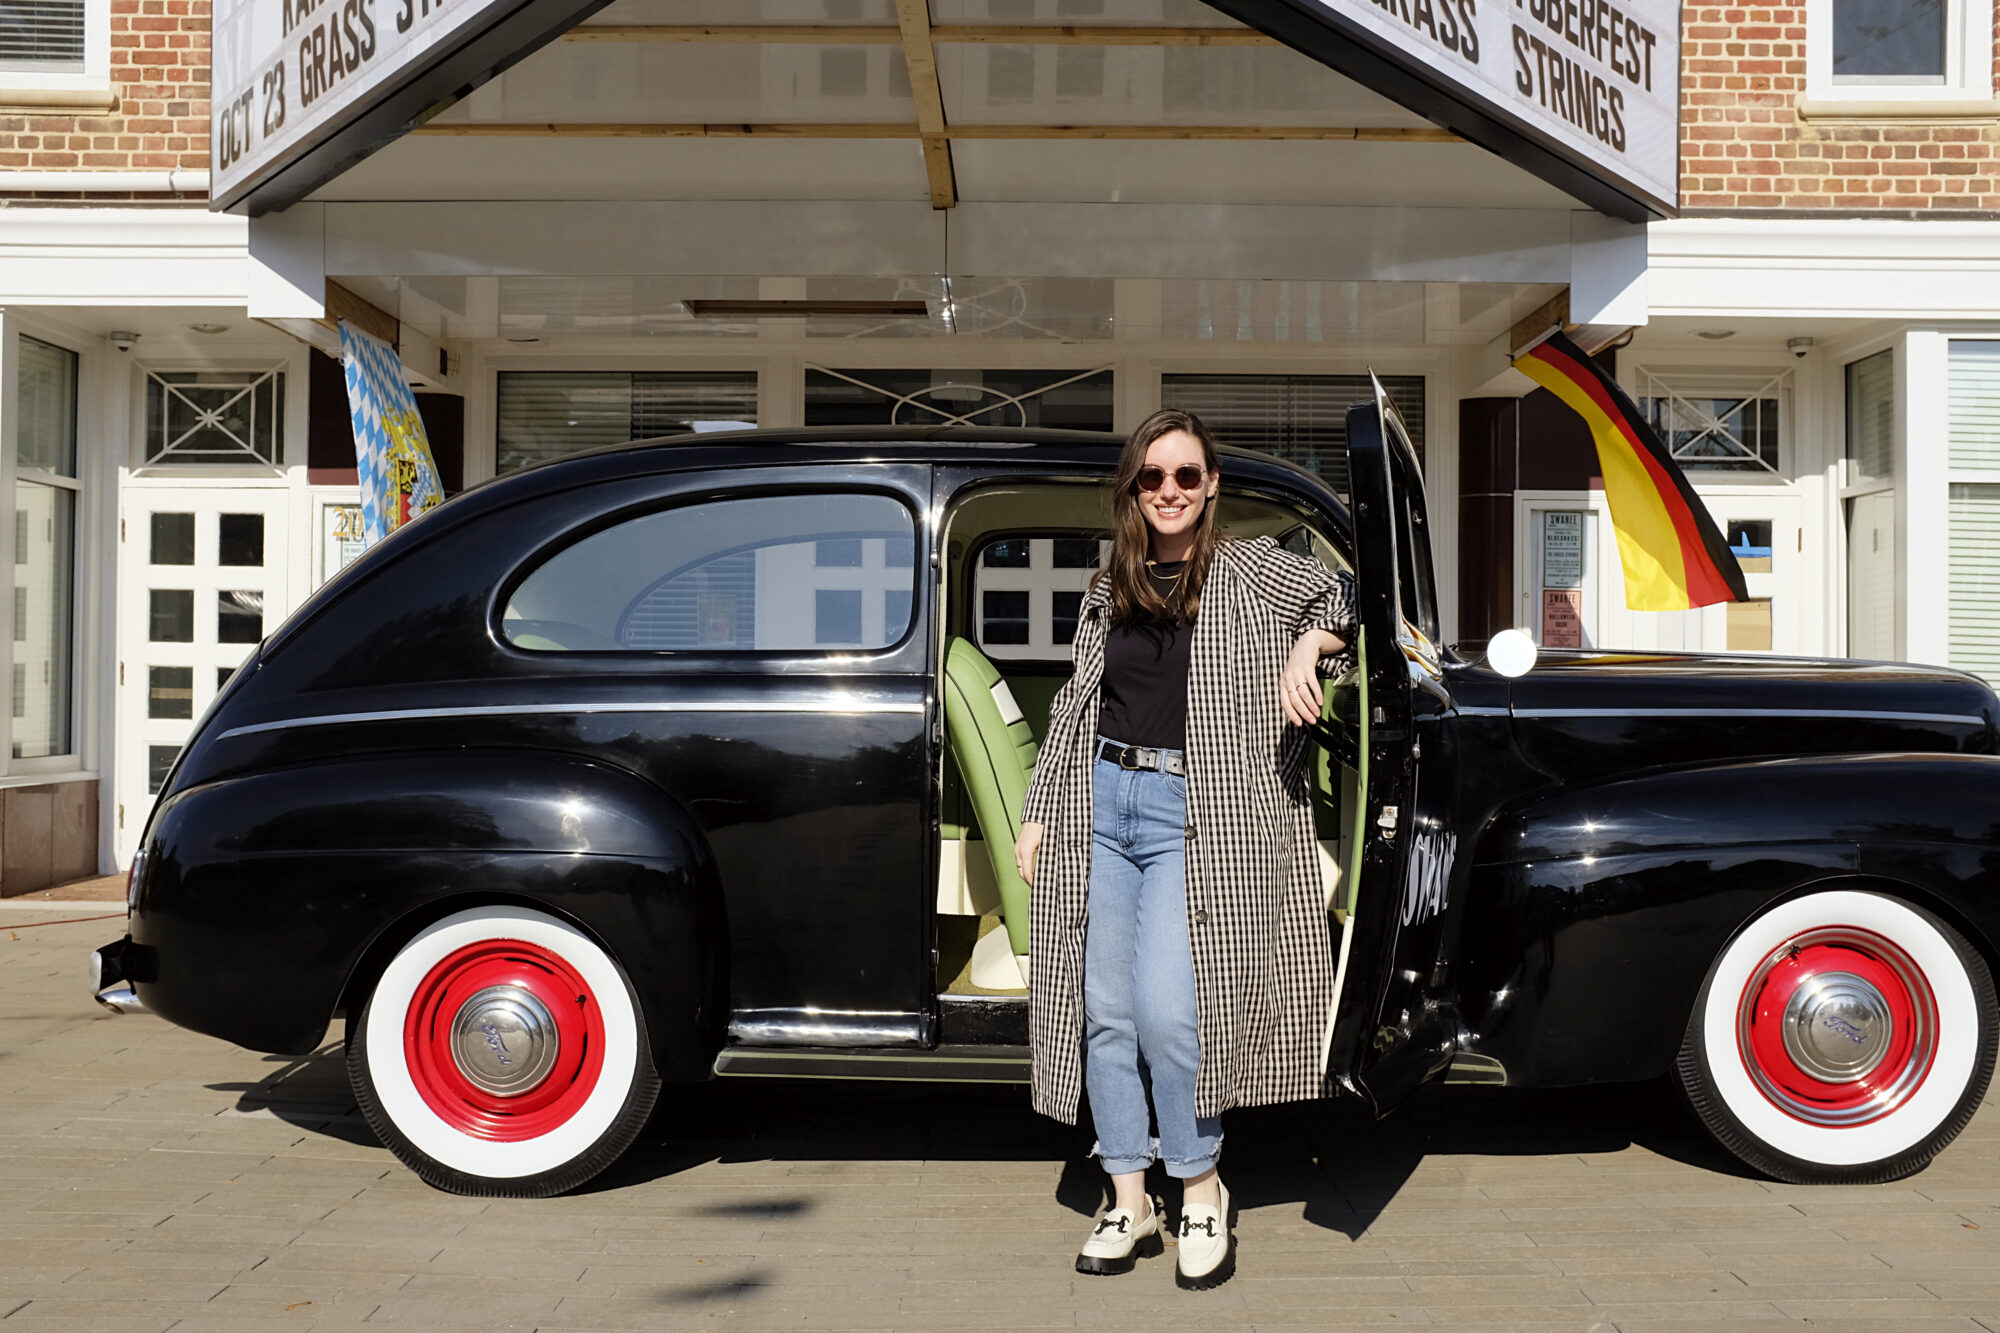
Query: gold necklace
x=1176, y=578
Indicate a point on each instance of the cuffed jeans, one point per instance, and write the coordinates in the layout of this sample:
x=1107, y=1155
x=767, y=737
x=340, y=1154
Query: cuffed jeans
x=1138, y=977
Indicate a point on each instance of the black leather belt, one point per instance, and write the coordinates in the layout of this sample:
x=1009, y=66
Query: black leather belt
x=1138, y=756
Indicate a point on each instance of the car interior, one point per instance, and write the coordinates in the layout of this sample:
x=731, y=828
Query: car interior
x=1018, y=558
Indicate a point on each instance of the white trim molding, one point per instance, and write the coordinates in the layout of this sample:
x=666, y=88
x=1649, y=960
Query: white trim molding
x=1829, y=267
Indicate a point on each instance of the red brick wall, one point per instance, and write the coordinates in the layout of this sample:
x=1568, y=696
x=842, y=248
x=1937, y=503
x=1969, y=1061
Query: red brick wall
x=159, y=78
x=1743, y=145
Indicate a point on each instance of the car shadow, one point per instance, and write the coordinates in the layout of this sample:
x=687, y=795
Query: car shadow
x=1333, y=1159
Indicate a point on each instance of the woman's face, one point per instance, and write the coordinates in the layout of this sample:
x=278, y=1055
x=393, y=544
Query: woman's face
x=1171, y=510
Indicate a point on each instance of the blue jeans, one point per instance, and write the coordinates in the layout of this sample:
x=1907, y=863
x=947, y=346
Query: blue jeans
x=1138, y=977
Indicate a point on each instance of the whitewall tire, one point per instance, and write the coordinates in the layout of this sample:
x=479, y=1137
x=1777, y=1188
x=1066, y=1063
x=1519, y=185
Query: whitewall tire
x=1841, y=1037
x=502, y=1052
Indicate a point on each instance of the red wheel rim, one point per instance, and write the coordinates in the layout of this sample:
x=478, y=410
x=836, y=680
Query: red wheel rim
x=452, y=1054
x=1837, y=1027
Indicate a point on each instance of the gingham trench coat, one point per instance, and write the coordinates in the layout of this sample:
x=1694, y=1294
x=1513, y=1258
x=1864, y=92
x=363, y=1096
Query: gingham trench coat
x=1257, y=914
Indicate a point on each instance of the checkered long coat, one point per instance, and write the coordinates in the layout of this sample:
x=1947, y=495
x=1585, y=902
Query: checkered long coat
x=1257, y=916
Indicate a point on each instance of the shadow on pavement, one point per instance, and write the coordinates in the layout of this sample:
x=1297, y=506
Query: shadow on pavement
x=309, y=1091
x=1333, y=1158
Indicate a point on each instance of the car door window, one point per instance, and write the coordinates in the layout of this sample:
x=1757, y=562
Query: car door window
x=766, y=573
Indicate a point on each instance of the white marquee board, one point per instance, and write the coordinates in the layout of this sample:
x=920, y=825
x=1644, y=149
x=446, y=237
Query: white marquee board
x=290, y=76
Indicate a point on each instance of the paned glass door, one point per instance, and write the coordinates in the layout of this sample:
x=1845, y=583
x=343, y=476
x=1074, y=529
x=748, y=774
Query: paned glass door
x=202, y=583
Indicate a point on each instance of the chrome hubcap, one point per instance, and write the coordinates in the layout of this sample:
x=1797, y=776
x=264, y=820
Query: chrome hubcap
x=1837, y=1027
x=504, y=1041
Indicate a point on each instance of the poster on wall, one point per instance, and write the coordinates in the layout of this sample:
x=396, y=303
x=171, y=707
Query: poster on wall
x=1585, y=95
x=1562, y=617
x=341, y=538
x=1562, y=549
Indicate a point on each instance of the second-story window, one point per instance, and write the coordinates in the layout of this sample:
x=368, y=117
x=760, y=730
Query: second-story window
x=1900, y=50
x=42, y=35
x=1889, y=41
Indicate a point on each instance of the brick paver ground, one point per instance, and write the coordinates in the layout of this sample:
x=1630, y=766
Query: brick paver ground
x=158, y=1180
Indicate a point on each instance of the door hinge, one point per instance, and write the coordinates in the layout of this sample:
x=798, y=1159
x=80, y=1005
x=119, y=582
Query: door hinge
x=121, y=673
x=121, y=529
x=121, y=816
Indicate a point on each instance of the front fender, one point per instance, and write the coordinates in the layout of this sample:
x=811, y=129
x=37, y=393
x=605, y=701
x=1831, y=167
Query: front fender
x=1597, y=911
x=268, y=895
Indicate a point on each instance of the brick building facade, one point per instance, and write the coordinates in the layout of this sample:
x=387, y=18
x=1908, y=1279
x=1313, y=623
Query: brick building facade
x=146, y=112
x=1754, y=136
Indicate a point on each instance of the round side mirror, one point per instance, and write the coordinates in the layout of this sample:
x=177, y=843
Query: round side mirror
x=1511, y=652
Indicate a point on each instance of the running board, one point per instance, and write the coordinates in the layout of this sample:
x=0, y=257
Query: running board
x=946, y=1064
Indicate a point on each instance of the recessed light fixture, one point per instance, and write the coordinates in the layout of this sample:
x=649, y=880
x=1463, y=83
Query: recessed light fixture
x=1715, y=335
x=210, y=328
x=704, y=309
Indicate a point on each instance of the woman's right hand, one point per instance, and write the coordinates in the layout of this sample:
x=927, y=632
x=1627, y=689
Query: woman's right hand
x=1025, y=848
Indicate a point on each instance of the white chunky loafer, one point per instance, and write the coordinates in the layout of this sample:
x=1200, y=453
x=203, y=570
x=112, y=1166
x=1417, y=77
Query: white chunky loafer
x=1207, y=1250
x=1119, y=1241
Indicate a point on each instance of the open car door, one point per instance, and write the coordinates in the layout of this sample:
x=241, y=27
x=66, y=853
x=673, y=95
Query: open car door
x=1393, y=1026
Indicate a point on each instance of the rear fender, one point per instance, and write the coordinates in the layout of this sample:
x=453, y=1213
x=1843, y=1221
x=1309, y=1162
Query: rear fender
x=1597, y=911
x=272, y=899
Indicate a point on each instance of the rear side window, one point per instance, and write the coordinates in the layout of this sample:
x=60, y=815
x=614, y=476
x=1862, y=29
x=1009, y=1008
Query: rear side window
x=768, y=573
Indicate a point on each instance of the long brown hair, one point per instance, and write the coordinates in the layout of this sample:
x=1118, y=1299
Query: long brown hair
x=1133, y=595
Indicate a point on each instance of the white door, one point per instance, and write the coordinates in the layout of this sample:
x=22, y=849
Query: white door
x=1571, y=585
x=202, y=581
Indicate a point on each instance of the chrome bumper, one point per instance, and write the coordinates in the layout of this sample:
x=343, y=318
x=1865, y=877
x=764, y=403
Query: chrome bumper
x=110, y=983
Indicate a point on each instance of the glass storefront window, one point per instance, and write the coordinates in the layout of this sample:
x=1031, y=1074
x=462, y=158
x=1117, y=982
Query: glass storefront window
x=1871, y=515
x=1300, y=418
x=1057, y=399
x=196, y=417
x=45, y=503
x=546, y=414
x=1871, y=419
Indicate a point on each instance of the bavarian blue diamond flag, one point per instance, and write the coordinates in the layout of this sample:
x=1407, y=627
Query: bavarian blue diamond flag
x=398, y=479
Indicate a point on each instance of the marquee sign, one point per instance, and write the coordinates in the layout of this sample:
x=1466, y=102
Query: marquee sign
x=1584, y=93
x=303, y=89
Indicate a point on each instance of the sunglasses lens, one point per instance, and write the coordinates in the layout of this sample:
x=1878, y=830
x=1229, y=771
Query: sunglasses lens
x=1187, y=476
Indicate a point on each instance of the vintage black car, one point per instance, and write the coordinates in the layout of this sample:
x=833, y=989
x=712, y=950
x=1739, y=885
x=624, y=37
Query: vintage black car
x=704, y=757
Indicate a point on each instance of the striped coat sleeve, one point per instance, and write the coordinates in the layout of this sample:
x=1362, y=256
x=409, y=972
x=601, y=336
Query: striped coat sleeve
x=1304, y=594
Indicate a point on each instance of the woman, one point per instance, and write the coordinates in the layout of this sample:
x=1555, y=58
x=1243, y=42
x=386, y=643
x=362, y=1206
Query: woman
x=1172, y=796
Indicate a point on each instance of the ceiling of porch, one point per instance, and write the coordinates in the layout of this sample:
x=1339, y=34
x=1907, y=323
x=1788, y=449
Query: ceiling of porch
x=1152, y=101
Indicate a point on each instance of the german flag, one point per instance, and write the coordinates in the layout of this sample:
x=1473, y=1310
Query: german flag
x=1674, y=557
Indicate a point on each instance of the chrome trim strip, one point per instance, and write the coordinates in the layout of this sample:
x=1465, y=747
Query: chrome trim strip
x=838, y=705
x=1955, y=718
x=792, y=1027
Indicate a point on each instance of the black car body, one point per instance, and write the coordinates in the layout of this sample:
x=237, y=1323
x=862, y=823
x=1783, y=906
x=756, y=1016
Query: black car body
x=1544, y=879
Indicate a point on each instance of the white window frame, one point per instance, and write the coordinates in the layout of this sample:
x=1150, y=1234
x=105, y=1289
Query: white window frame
x=83, y=605
x=1968, y=67
x=1654, y=379
x=251, y=466
x=45, y=87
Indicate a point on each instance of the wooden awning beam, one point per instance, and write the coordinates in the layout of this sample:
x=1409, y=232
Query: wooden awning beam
x=829, y=34
x=892, y=130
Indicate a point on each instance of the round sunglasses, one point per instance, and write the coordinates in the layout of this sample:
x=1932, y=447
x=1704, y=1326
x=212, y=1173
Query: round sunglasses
x=1187, y=476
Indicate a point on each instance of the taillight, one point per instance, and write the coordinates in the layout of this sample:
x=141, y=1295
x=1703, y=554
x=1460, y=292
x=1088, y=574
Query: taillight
x=134, y=879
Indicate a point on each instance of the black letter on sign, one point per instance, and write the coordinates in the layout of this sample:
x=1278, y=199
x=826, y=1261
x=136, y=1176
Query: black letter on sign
x=1467, y=9
x=1524, y=83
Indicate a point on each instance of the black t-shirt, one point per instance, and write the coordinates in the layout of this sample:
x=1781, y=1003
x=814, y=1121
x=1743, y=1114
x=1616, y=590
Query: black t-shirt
x=1146, y=677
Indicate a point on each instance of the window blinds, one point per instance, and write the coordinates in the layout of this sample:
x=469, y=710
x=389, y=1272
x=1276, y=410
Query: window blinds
x=1975, y=404
x=1300, y=418
x=1975, y=579
x=547, y=414
x=39, y=34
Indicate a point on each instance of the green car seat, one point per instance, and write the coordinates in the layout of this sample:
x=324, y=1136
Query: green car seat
x=995, y=749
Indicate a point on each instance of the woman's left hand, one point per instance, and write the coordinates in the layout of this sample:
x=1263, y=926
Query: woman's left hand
x=1299, y=687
